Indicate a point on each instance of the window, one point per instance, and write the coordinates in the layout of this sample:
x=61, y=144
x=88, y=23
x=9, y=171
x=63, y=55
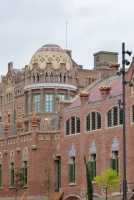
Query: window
x=14, y=115
x=8, y=117
x=48, y=102
x=0, y=176
x=1, y=100
x=36, y=99
x=12, y=174
x=33, y=79
x=71, y=96
x=73, y=125
x=115, y=117
x=88, y=81
x=93, y=121
x=51, y=77
x=25, y=173
x=133, y=113
x=26, y=126
x=28, y=104
x=38, y=78
x=114, y=161
x=97, y=58
x=92, y=166
x=62, y=96
x=46, y=77
x=38, y=125
x=60, y=78
x=58, y=174
x=71, y=170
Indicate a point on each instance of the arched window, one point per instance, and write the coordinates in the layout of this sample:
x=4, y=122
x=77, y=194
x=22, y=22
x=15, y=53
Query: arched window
x=51, y=77
x=115, y=116
x=93, y=121
x=72, y=125
x=133, y=113
x=46, y=77
x=60, y=78
x=38, y=78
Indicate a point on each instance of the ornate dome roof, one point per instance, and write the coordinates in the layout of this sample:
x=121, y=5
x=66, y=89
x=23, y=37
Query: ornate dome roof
x=50, y=53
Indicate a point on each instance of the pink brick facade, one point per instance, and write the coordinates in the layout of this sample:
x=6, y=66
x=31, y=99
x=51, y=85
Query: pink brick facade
x=47, y=139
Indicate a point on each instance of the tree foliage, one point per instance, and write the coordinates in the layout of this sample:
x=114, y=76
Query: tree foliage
x=108, y=180
x=89, y=183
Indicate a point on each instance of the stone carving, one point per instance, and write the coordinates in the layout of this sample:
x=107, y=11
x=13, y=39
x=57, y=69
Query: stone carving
x=34, y=119
x=115, y=144
x=6, y=125
x=19, y=121
x=47, y=137
x=92, y=148
x=58, y=147
x=12, y=156
x=25, y=153
x=72, y=151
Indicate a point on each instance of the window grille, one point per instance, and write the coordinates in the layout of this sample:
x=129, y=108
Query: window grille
x=121, y=115
x=93, y=121
x=77, y=125
x=25, y=173
x=88, y=81
x=72, y=125
x=58, y=174
x=109, y=118
x=115, y=117
x=68, y=127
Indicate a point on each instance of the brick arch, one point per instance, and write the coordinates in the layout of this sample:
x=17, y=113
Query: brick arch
x=73, y=197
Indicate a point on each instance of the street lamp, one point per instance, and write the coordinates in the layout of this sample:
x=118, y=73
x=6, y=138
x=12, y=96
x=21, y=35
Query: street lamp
x=122, y=71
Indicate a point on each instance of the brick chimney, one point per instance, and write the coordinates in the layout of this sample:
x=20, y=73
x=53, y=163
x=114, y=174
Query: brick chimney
x=84, y=97
x=105, y=91
x=114, y=67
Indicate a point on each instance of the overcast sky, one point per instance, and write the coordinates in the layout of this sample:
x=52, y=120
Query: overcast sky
x=92, y=26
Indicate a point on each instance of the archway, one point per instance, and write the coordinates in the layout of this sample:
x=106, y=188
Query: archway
x=73, y=197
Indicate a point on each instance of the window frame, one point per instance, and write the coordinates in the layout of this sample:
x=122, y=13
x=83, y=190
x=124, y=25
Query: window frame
x=77, y=125
x=114, y=122
x=97, y=125
x=50, y=103
x=37, y=101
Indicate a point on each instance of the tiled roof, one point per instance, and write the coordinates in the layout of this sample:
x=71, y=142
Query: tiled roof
x=115, y=82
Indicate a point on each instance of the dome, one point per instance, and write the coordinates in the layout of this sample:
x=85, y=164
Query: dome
x=50, y=53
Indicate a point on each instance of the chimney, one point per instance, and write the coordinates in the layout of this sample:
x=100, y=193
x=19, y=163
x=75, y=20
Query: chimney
x=84, y=97
x=105, y=91
x=10, y=66
x=114, y=67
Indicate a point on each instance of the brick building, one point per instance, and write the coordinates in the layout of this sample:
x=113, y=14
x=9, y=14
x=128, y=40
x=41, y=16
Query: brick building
x=75, y=113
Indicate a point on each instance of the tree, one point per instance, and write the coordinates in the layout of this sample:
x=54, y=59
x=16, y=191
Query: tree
x=48, y=178
x=89, y=183
x=108, y=180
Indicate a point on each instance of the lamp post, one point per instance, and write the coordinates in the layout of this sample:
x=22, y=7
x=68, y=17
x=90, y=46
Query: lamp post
x=122, y=71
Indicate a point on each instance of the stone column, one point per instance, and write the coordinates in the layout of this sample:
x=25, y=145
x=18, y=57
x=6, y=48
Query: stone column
x=42, y=100
x=30, y=100
x=55, y=99
x=25, y=102
x=68, y=94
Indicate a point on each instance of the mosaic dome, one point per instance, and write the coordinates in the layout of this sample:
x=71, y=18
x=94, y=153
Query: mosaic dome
x=50, y=53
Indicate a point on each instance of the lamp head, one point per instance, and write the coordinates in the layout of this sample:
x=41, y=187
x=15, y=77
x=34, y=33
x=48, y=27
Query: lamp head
x=128, y=52
x=126, y=62
x=131, y=84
